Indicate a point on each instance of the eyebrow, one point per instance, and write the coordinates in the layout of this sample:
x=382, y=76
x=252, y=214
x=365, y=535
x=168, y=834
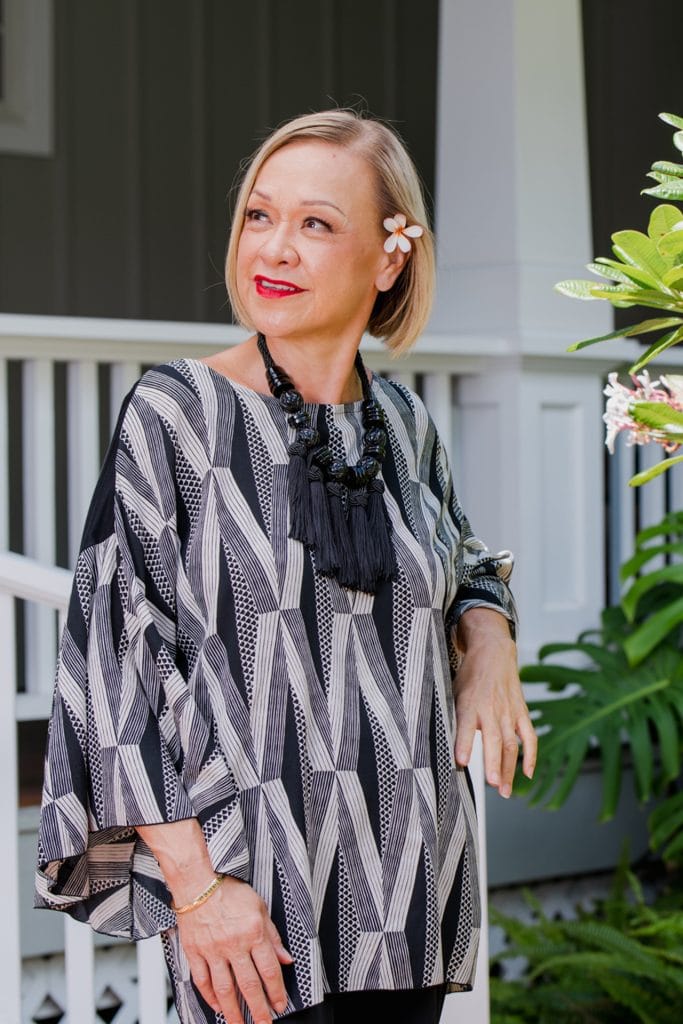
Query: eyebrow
x=304, y=202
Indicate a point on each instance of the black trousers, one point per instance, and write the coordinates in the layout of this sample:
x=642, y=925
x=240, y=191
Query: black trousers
x=414, y=1006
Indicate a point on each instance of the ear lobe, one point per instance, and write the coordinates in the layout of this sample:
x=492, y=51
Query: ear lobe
x=392, y=265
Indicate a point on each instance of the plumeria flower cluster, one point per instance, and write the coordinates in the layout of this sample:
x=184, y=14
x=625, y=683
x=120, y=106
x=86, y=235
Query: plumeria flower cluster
x=621, y=401
x=400, y=233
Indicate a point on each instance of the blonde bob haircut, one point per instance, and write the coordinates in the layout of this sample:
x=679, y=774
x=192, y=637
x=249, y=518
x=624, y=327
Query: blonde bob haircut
x=400, y=314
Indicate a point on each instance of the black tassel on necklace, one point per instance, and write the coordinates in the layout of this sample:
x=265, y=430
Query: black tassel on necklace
x=337, y=510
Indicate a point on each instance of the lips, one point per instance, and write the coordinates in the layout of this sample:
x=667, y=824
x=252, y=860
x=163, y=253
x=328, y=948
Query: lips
x=270, y=288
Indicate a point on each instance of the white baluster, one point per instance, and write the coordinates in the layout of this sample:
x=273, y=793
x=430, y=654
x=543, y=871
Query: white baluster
x=39, y=513
x=407, y=379
x=621, y=528
x=10, y=954
x=123, y=376
x=437, y=395
x=83, y=446
x=652, y=497
x=151, y=982
x=4, y=459
x=676, y=487
x=79, y=962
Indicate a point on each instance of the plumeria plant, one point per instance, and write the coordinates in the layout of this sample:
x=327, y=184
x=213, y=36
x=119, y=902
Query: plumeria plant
x=647, y=270
x=621, y=689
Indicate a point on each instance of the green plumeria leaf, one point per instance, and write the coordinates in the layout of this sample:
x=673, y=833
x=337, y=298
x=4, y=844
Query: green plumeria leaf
x=671, y=244
x=644, y=327
x=673, y=119
x=678, y=141
x=577, y=289
x=635, y=296
x=659, y=416
x=646, y=475
x=664, y=218
x=674, y=278
x=667, y=167
x=641, y=253
x=659, y=346
x=674, y=192
x=633, y=275
x=662, y=178
x=611, y=270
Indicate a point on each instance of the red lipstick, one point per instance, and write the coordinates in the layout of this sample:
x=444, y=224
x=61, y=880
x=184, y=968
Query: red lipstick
x=270, y=288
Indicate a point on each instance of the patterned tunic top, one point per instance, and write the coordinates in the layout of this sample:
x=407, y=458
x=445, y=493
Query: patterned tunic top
x=206, y=670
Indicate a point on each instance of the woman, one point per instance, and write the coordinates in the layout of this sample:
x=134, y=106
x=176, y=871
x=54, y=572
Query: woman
x=251, y=749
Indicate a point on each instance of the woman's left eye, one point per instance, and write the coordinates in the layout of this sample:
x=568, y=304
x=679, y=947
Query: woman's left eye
x=317, y=224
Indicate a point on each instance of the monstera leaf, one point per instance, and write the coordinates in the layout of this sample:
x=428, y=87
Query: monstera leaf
x=622, y=685
x=611, y=705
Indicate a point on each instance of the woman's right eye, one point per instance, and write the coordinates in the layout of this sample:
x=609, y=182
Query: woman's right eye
x=255, y=215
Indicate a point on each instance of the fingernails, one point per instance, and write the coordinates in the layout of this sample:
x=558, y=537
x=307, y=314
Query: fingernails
x=494, y=779
x=281, y=1006
x=506, y=791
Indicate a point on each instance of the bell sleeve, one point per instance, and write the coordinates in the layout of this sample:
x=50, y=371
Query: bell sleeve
x=128, y=744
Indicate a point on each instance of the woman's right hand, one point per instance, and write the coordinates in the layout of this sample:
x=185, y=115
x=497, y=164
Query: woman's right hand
x=233, y=946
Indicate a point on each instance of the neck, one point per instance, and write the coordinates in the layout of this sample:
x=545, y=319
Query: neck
x=319, y=373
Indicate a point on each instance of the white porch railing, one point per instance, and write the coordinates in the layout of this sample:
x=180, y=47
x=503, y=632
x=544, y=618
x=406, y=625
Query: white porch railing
x=61, y=385
x=24, y=579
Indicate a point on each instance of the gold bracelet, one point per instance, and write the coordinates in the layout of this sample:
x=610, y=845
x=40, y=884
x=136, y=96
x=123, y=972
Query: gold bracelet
x=202, y=898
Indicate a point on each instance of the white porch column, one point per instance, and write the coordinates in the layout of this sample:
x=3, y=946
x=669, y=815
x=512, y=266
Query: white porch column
x=513, y=218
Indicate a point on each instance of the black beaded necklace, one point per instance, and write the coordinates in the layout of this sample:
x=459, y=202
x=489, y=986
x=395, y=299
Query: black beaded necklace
x=337, y=510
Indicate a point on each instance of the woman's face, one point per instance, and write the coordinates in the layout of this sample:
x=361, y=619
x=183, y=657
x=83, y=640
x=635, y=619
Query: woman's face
x=310, y=258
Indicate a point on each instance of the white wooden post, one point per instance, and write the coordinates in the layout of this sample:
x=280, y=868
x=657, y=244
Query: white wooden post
x=437, y=395
x=10, y=952
x=123, y=376
x=4, y=458
x=151, y=981
x=652, y=497
x=79, y=963
x=83, y=456
x=39, y=511
x=511, y=142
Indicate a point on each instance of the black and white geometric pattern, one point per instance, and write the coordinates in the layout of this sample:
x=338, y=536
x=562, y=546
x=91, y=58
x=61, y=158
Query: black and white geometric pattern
x=207, y=671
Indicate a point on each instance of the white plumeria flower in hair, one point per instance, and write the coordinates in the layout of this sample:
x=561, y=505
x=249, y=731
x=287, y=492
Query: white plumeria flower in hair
x=400, y=234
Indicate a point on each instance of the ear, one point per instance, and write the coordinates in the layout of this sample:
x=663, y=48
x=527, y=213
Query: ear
x=391, y=266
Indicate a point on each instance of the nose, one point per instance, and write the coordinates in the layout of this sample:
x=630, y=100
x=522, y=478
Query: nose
x=279, y=246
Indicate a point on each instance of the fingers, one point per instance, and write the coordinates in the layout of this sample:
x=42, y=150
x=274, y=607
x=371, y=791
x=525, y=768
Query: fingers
x=501, y=751
x=527, y=734
x=466, y=727
x=508, y=762
x=202, y=979
x=493, y=746
x=270, y=973
x=283, y=955
x=235, y=953
x=223, y=985
x=251, y=984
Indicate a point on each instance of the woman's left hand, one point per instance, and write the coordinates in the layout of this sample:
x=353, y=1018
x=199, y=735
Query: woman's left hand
x=488, y=696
